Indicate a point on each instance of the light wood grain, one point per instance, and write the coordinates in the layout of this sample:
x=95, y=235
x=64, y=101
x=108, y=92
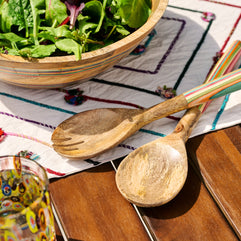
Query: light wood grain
x=154, y=173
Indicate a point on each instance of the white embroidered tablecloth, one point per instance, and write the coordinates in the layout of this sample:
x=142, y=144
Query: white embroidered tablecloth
x=179, y=54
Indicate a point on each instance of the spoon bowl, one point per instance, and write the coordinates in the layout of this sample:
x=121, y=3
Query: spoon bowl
x=153, y=174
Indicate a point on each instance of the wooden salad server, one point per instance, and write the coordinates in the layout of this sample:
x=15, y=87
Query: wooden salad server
x=92, y=132
x=154, y=173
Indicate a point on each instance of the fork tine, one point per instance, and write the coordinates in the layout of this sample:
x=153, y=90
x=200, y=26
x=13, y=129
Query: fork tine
x=65, y=149
x=71, y=140
x=68, y=144
x=56, y=139
x=72, y=152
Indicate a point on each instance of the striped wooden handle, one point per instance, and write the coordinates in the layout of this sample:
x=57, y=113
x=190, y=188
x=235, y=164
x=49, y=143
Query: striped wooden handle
x=225, y=65
x=214, y=89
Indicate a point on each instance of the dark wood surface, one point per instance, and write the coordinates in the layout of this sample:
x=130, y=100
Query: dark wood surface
x=91, y=208
x=218, y=160
x=208, y=207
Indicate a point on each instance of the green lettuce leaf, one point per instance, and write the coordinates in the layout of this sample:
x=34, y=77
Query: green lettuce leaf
x=85, y=27
x=34, y=28
x=56, y=12
x=20, y=12
x=39, y=51
x=10, y=39
x=69, y=46
x=134, y=13
x=5, y=19
x=53, y=34
x=96, y=11
x=26, y=15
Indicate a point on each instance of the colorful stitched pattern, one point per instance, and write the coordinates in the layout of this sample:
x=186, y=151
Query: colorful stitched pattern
x=178, y=54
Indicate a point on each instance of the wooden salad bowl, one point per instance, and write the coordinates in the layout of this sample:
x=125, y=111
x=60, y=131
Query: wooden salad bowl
x=54, y=72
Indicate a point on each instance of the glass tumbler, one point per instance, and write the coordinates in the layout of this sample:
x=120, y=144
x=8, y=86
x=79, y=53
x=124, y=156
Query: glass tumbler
x=25, y=208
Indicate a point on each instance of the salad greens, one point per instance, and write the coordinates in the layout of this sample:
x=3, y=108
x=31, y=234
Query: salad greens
x=41, y=28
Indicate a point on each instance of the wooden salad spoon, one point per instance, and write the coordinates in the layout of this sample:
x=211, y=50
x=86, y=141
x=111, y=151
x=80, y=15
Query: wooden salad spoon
x=154, y=173
x=92, y=132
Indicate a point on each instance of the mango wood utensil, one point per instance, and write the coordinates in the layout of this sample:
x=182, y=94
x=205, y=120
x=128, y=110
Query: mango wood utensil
x=90, y=133
x=154, y=173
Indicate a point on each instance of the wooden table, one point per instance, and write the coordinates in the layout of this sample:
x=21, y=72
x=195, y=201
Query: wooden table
x=89, y=206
